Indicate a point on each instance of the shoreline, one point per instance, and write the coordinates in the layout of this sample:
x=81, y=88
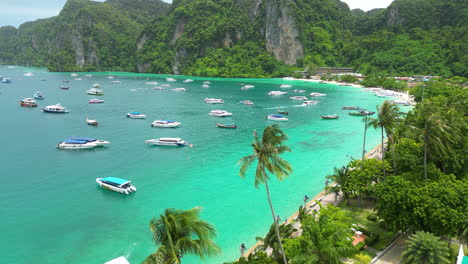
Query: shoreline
x=373, y=153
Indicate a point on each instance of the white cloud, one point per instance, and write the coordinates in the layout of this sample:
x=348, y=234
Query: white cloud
x=367, y=5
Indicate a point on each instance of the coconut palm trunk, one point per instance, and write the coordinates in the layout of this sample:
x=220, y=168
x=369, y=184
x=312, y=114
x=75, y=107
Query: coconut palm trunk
x=383, y=152
x=273, y=215
x=364, y=143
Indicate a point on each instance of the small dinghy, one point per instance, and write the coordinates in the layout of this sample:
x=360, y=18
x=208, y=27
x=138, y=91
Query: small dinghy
x=282, y=112
x=334, y=116
x=226, y=125
x=91, y=122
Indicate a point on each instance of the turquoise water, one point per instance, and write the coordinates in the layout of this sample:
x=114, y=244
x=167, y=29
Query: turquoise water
x=53, y=212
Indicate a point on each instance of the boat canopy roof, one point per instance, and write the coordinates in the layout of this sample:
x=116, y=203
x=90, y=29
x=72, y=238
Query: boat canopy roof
x=162, y=120
x=280, y=116
x=82, y=139
x=74, y=141
x=135, y=113
x=170, y=139
x=115, y=180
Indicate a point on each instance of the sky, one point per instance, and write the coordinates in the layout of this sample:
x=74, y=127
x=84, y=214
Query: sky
x=16, y=12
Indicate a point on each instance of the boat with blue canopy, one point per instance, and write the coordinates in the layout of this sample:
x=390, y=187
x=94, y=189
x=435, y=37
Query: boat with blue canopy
x=274, y=117
x=76, y=144
x=97, y=142
x=165, y=123
x=136, y=115
x=116, y=184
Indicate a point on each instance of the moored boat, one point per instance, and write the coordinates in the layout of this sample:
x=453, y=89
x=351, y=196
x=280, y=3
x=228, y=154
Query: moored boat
x=28, y=102
x=76, y=144
x=171, y=79
x=38, y=95
x=310, y=102
x=277, y=93
x=96, y=101
x=65, y=87
x=96, y=85
x=361, y=113
x=173, y=142
x=187, y=81
x=282, y=112
x=317, y=94
x=136, y=115
x=352, y=108
x=274, y=117
x=246, y=102
x=214, y=101
x=285, y=86
x=115, y=82
x=91, y=122
x=55, y=109
x=232, y=125
x=179, y=89
x=298, y=97
x=97, y=142
x=95, y=91
x=165, y=123
x=116, y=184
x=205, y=86
x=334, y=116
x=299, y=91
x=6, y=80
x=220, y=113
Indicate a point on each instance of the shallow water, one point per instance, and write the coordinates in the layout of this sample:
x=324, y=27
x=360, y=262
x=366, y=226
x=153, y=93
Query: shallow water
x=53, y=212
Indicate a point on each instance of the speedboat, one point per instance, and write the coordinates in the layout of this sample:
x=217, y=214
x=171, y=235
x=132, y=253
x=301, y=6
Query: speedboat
x=38, y=95
x=158, y=88
x=317, y=94
x=152, y=83
x=282, y=112
x=207, y=82
x=96, y=85
x=65, y=87
x=73, y=75
x=116, y=184
x=310, y=102
x=29, y=74
x=323, y=82
x=28, y=102
x=285, y=86
x=78, y=79
x=6, y=80
x=171, y=79
x=165, y=123
x=299, y=91
x=205, y=86
x=298, y=97
x=362, y=113
x=97, y=142
x=276, y=93
x=95, y=91
x=136, y=115
x=352, y=108
x=165, y=85
x=188, y=80
x=54, y=109
x=174, y=142
x=110, y=77
x=96, y=101
x=334, y=116
x=179, y=89
x=88, y=75
x=66, y=81
x=214, y=101
x=248, y=86
x=274, y=117
x=91, y=122
x=226, y=125
x=115, y=82
x=76, y=144
x=220, y=113
x=246, y=102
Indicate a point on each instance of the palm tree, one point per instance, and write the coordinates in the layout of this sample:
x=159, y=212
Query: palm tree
x=178, y=233
x=424, y=248
x=386, y=121
x=435, y=135
x=303, y=213
x=267, y=154
x=340, y=177
x=364, y=141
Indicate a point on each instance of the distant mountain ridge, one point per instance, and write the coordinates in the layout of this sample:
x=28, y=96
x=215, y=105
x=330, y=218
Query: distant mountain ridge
x=244, y=38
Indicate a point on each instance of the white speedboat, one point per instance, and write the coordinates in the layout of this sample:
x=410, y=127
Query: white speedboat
x=76, y=144
x=152, y=83
x=88, y=75
x=115, y=82
x=38, y=95
x=207, y=82
x=95, y=91
x=179, y=89
x=116, y=184
x=214, y=101
x=165, y=123
x=97, y=142
x=299, y=91
x=310, y=102
x=158, y=88
x=96, y=101
x=171, y=79
x=165, y=85
x=277, y=93
x=298, y=97
x=205, y=86
x=274, y=117
x=248, y=86
x=188, y=80
x=73, y=75
x=174, y=142
x=246, y=102
x=317, y=94
x=54, y=109
x=220, y=113
x=285, y=86
x=91, y=122
x=28, y=102
x=96, y=85
x=29, y=74
x=136, y=115
x=78, y=79
x=110, y=77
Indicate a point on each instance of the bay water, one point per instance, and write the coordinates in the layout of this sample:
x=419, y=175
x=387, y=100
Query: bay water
x=52, y=210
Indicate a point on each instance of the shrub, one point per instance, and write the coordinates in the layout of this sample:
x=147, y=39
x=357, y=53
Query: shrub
x=382, y=224
x=360, y=246
x=362, y=258
x=372, y=218
x=371, y=240
x=365, y=231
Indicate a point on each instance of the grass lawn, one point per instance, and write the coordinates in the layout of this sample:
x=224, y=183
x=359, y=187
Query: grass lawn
x=359, y=216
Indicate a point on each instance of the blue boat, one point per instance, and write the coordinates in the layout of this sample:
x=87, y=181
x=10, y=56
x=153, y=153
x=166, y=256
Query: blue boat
x=6, y=80
x=38, y=95
x=116, y=184
x=96, y=141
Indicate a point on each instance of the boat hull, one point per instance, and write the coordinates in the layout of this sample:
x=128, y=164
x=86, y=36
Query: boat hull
x=54, y=112
x=76, y=146
x=28, y=104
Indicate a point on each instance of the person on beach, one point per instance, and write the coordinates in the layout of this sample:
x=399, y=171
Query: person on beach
x=326, y=183
x=242, y=249
x=306, y=198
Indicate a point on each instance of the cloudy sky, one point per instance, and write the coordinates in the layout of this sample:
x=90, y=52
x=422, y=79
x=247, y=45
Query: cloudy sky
x=16, y=12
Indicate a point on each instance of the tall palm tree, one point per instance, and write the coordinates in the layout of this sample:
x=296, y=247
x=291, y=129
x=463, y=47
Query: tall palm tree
x=364, y=141
x=436, y=135
x=180, y=232
x=425, y=248
x=386, y=121
x=340, y=176
x=267, y=154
